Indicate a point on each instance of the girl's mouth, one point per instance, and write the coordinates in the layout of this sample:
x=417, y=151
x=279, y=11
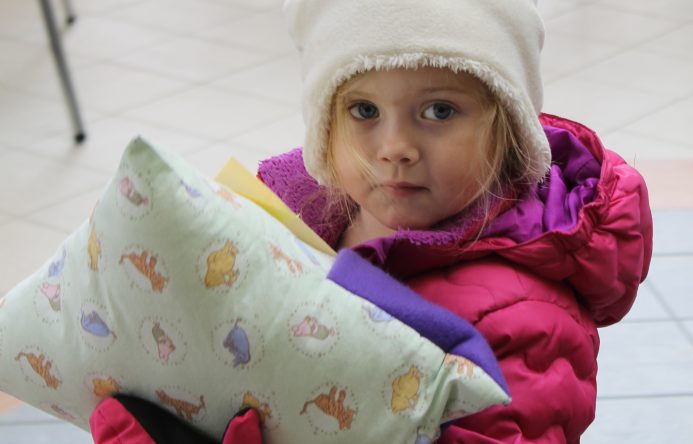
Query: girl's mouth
x=401, y=189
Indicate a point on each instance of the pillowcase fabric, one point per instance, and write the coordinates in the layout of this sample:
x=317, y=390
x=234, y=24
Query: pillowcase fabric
x=181, y=292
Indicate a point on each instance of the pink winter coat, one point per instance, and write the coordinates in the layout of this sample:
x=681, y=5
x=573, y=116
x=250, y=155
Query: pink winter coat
x=568, y=257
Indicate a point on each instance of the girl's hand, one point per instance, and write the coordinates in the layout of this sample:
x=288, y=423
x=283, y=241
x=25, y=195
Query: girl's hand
x=129, y=420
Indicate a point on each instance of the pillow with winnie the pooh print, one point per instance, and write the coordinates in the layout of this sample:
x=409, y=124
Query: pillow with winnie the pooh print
x=182, y=292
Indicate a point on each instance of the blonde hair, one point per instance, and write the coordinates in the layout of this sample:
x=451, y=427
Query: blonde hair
x=506, y=167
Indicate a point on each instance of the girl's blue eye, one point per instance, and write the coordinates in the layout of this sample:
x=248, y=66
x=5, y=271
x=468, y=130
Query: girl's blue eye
x=438, y=111
x=364, y=111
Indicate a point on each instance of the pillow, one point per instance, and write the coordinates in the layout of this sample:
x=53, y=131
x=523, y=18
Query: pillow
x=184, y=293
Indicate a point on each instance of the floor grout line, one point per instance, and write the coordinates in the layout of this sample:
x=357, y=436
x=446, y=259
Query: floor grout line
x=671, y=312
x=645, y=396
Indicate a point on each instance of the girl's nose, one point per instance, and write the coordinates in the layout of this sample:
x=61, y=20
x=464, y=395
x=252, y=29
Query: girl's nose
x=398, y=144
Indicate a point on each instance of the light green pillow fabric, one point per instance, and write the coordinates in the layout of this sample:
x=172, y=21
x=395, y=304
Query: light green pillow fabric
x=181, y=292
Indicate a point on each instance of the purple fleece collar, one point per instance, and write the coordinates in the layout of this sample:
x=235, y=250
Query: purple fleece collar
x=451, y=333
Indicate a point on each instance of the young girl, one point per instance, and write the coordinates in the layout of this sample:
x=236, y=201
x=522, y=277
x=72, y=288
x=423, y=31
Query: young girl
x=427, y=154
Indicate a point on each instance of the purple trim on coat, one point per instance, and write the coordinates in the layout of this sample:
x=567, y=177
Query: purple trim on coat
x=451, y=333
x=555, y=205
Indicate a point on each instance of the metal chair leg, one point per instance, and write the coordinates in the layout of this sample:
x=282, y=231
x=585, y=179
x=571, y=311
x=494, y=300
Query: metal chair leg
x=63, y=72
x=69, y=12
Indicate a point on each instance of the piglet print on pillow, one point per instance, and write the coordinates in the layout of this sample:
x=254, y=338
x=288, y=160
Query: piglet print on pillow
x=180, y=291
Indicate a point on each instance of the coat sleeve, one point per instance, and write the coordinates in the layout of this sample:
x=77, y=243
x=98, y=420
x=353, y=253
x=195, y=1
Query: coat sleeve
x=549, y=362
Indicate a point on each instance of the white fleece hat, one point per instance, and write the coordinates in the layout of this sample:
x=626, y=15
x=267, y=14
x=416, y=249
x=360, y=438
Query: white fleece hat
x=497, y=41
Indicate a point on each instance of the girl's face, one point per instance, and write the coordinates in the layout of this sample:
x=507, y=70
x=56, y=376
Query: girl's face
x=420, y=134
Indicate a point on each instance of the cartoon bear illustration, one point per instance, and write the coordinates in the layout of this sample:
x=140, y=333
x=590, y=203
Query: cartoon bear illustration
x=192, y=192
x=105, y=387
x=220, y=264
x=249, y=400
x=333, y=406
x=94, y=250
x=464, y=366
x=56, y=267
x=127, y=190
x=405, y=390
x=164, y=343
x=237, y=343
x=52, y=293
x=376, y=314
x=93, y=323
x=312, y=328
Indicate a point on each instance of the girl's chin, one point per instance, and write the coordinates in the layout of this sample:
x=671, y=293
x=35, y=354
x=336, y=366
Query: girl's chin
x=405, y=224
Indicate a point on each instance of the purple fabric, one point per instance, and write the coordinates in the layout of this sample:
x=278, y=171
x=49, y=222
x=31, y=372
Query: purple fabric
x=287, y=177
x=554, y=205
x=451, y=333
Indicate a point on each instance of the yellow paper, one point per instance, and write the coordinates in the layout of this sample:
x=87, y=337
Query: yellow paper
x=238, y=179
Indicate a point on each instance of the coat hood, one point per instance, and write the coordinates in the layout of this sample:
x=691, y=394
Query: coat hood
x=588, y=224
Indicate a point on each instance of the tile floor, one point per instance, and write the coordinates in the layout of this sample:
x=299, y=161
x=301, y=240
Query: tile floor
x=187, y=75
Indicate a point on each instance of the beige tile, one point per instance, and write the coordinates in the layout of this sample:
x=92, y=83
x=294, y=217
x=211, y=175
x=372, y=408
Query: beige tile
x=602, y=23
x=90, y=7
x=644, y=71
x=179, y=16
x=21, y=19
x=634, y=147
x=105, y=87
x=565, y=54
x=25, y=247
x=276, y=137
x=107, y=139
x=600, y=106
x=68, y=215
x=32, y=182
x=112, y=88
x=104, y=39
x=278, y=80
x=192, y=59
x=269, y=31
x=26, y=118
x=211, y=113
x=30, y=68
x=7, y=402
x=557, y=7
x=4, y=148
x=672, y=9
x=4, y=218
x=92, y=36
x=211, y=160
x=677, y=43
x=259, y=5
x=665, y=179
x=672, y=123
